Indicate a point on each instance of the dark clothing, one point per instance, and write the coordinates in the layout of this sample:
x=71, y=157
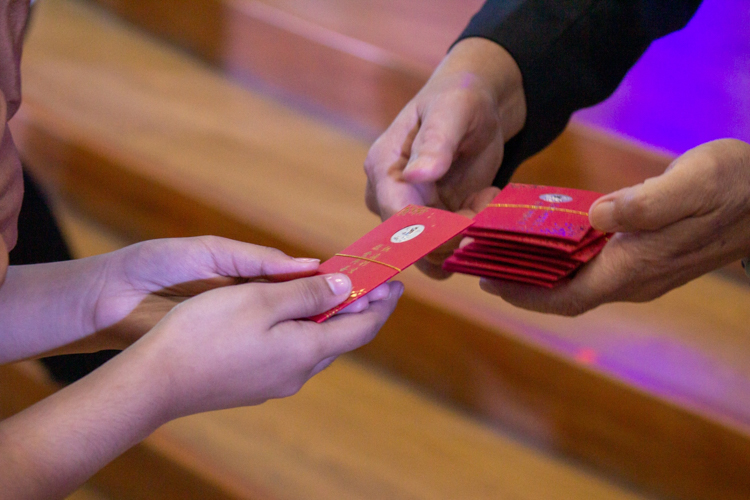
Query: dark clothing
x=572, y=54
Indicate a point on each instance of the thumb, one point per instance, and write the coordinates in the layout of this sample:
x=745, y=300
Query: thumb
x=305, y=297
x=654, y=204
x=436, y=144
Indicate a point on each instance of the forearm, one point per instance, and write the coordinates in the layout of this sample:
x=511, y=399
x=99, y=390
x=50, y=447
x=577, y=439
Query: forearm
x=46, y=306
x=51, y=448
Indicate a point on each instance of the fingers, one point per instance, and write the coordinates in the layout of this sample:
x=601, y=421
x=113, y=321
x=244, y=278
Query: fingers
x=443, y=127
x=387, y=193
x=676, y=194
x=304, y=297
x=347, y=332
x=381, y=292
x=235, y=258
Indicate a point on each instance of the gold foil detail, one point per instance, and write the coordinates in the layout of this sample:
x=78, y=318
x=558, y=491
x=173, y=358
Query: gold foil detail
x=368, y=260
x=539, y=207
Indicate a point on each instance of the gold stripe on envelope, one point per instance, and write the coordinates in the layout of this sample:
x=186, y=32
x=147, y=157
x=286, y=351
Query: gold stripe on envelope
x=368, y=260
x=539, y=207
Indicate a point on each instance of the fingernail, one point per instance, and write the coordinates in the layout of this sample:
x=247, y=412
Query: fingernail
x=306, y=260
x=401, y=291
x=339, y=283
x=602, y=216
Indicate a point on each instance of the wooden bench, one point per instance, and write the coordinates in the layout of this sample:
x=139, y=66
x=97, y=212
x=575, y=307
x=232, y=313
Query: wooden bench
x=155, y=144
x=350, y=433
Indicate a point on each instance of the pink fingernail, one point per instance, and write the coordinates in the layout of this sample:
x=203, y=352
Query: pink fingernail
x=339, y=283
x=306, y=260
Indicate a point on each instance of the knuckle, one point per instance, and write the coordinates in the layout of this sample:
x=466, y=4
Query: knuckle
x=264, y=302
x=631, y=208
x=310, y=292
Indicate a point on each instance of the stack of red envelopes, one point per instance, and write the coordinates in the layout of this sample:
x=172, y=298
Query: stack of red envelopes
x=530, y=234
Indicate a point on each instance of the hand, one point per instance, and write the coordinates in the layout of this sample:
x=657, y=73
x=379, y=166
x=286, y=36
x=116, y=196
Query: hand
x=140, y=284
x=445, y=147
x=244, y=344
x=671, y=229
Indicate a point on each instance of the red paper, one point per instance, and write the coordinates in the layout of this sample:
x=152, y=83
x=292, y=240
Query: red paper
x=537, y=235
x=505, y=262
x=390, y=248
x=553, y=212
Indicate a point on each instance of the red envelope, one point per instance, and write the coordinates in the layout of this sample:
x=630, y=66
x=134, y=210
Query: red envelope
x=552, y=212
x=590, y=251
x=490, y=237
x=507, y=263
x=522, y=253
x=390, y=248
x=531, y=234
x=481, y=271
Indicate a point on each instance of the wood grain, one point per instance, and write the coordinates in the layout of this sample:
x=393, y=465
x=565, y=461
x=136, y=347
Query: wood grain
x=350, y=433
x=155, y=144
x=362, y=63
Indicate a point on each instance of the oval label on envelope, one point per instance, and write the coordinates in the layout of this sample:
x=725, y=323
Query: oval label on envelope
x=555, y=198
x=407, y=233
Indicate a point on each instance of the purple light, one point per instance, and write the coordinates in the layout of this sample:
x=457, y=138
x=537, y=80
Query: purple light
x=690, y=87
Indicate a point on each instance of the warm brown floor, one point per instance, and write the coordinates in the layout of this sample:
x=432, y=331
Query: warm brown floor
x=110, y=115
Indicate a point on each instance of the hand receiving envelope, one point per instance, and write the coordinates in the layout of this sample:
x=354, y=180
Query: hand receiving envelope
x=530, y=234
x=390, y=248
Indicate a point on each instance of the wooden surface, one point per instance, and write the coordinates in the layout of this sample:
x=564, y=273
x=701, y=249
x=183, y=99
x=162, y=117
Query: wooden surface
x=155, y=144
x=350, y=433
x=363, y=60
x=87, y=494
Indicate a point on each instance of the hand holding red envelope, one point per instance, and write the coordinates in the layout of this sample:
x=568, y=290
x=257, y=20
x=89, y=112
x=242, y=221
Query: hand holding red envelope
x=535, y=235
x=390, y=248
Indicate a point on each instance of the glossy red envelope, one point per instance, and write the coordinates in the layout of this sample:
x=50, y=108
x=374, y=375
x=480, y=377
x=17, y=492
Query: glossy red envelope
x=553, y=259
x=490, y=237
x=552, y=212
x=591, y=250
x=520, y=265
x=390, y=248
x=482, y=271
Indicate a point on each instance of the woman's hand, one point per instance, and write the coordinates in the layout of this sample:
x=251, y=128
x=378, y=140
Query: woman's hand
x=244, y=344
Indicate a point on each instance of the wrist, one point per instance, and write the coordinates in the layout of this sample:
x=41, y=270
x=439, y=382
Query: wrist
x=146, y=371
x=498, y=72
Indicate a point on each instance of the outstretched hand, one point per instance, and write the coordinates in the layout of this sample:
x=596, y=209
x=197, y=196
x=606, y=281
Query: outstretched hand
x=670, y=229
x=445, y=147
x=140, y=284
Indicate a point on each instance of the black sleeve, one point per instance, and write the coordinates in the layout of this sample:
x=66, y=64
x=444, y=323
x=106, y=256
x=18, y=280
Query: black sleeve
x=572, y=54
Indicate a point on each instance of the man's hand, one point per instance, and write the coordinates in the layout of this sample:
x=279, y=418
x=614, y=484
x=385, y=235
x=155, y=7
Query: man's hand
x=446, y=145
x=671, y=229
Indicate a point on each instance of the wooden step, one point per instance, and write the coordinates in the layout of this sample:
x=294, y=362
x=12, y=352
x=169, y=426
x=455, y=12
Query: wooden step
x=350, y=433
x=154, y=144
x=363, y=60
x=333, y=440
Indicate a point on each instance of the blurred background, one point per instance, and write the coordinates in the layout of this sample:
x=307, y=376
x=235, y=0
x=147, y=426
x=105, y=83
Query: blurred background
x=251, y=119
